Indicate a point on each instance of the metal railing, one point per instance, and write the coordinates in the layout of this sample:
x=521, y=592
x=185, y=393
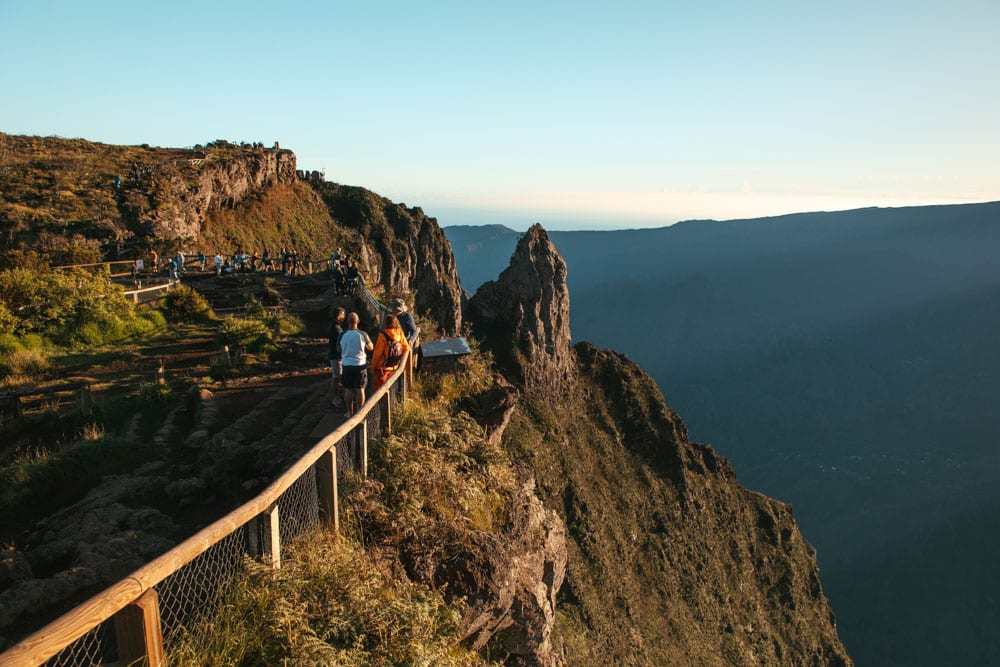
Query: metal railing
x=142, y=616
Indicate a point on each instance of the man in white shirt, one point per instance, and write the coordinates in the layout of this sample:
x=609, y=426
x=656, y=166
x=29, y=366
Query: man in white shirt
x=354, y=345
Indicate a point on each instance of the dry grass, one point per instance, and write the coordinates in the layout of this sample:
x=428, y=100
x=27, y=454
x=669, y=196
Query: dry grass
x=330, y=604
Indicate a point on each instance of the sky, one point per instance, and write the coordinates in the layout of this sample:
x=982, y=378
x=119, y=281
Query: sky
x=574, y=114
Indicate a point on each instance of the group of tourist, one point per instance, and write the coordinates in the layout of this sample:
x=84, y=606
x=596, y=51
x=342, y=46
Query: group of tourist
x=350, y=348
x=346, y=275
x=241, y=261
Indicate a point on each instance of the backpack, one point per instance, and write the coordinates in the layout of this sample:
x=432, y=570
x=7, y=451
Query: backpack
x=394, y=352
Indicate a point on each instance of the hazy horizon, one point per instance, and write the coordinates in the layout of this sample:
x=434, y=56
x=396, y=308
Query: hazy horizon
x=520, y=221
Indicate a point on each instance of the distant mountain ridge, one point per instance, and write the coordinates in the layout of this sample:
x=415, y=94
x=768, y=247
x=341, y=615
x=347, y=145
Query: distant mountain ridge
x=845, y=362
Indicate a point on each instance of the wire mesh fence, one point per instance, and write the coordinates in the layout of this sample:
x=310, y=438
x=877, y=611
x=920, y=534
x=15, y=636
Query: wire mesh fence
x=196, y=588
x=194, y=591
x=96, y=647
x=298, y=507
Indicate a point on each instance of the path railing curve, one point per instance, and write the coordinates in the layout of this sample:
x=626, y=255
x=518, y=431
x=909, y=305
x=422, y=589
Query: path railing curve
x=138, y=619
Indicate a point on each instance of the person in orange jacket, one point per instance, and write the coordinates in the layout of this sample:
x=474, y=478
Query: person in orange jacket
x=390, y=347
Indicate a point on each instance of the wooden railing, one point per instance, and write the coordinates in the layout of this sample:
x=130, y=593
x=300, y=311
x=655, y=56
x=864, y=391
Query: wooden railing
x=150, y=293
x=137, y=619
x=107, y=266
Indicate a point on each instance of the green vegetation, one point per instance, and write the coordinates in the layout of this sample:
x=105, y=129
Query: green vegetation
x=67, y=308
x=184, y=304
x=282, y=216
x=330, y=604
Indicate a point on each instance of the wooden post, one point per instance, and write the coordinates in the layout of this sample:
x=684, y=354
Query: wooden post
x=272, y=537
x=253, y=537
x=326, y=486
x=404, y=383
x=361, y=435
x=385, y=414
x=138, y=633
x=86, y=401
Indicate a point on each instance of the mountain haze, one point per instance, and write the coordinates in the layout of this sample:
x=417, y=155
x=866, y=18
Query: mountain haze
x=846, y=363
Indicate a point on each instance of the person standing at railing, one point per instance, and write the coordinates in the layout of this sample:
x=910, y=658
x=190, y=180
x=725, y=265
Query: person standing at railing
x=352, y=275
x=218, y=263
x=338, y=278
x=336, y=328
x=390, y=348
x=409, y=326
x=354, y=348
x=154, y=260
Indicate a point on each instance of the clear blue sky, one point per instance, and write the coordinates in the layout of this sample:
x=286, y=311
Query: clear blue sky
x=574, y=114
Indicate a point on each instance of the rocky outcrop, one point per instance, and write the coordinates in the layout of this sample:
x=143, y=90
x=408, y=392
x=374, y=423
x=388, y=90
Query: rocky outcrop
x=510, y=585
x=493, y=408
x=88, y=544
x=404, y=251
x=670, y=560
x=529, y=299
x=184, y=202
x=173, y=199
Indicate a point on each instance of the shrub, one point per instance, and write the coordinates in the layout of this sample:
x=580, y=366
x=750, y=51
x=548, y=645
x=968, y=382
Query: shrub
x=441, y=484
x=254, y=335
x=252, y=308
x=7, y=320
x=152, y=392
x=286, y=324
x=68, y=307
x=9, y=344
x=268, y=295
x=27, y=364
x=146, y=322
x=184, y=304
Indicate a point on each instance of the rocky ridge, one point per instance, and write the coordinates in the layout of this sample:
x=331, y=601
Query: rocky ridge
x=670, y=560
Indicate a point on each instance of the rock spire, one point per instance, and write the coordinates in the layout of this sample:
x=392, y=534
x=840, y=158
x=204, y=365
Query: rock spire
x=525, y=315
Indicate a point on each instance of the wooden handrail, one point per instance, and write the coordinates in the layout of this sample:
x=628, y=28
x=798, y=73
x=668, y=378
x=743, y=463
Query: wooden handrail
x=83, y=266
x=60, y=633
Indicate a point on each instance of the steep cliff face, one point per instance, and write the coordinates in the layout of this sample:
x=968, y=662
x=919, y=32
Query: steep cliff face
x=175, y=200
x=405, y=251
x=670, y=561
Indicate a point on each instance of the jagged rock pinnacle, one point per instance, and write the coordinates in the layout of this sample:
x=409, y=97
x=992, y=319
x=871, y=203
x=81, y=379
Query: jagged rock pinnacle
x=524, y=315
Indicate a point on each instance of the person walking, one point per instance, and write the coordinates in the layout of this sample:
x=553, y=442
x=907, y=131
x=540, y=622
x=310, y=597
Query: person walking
x=390, y=348
x=354, y=348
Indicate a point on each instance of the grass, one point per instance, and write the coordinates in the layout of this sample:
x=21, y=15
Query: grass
x=330, y=604
x=40, y=481
x=441, y=488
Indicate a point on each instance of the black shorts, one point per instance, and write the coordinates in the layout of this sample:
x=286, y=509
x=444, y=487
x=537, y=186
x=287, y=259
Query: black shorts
x=354, y=377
